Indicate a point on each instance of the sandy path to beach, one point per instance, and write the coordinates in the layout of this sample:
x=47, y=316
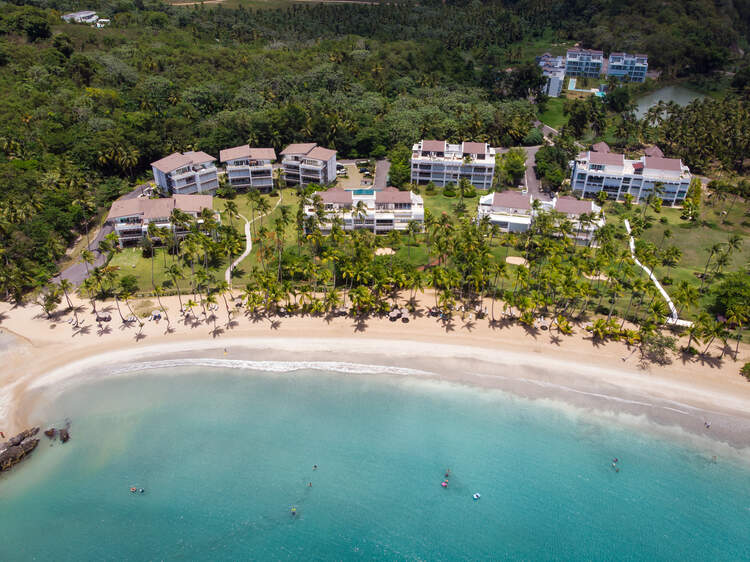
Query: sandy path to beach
x=41, y=346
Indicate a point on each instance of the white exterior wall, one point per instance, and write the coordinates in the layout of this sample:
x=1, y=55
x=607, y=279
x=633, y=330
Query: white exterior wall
x=507, y=219
x=299, y=169
x=243, y=175
x=616, y=183
x=379, y=218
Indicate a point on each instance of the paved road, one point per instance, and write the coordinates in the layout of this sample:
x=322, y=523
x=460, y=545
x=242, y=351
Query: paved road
x=531, y=182
x=547, y=131
x=76, y=272
x=382, y=167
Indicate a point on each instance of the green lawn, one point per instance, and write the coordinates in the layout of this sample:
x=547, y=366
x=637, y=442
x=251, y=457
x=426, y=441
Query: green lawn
x=553, y=113
x=693, y=239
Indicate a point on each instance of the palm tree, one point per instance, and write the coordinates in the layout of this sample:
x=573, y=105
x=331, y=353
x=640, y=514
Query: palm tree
x=737, y=316
x=175, y=275
x=87, y=257
x=714, y=249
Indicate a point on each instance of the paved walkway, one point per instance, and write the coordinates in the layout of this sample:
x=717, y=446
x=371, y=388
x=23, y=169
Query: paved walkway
x=673, y=316
x=382, y=167
x=532, y=183
x=248, y=240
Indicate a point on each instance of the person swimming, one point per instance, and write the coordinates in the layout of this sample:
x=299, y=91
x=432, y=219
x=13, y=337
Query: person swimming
x=447, y=472
x=294, y=511
x=309, y=485
x=315, y=467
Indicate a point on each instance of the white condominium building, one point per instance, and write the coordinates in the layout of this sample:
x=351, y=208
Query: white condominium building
x=378, y=211
x=442, y=163
x=130, y=217
x=585, y=216
x=190, y=172
x=616, y=176
x=307, y=163
x=509, y=210
x=249, y=167
x=553, y=68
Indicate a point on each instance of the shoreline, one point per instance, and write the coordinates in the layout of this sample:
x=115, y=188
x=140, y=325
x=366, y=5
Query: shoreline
x=571, y=369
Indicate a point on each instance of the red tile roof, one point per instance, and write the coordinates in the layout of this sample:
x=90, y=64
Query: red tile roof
x=172, y=162
x=654, y=151
x=245, y=151
x=298, y=148
x=600, y=147
x=336, y=196
x=573, y=206
x=433, y=146
x=606, y=158
x=665, y=164
x=474, y=148
x=392, y=195
x=157, y=208
x=320, y=153
x=511, y=200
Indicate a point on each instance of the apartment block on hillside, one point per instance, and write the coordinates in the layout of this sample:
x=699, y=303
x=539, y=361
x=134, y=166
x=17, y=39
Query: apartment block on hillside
x=442, y=163
x=628, y=67
x=249, y=167
x=131, y=217
x=593, y=172
x=377, y=211
x=306, y=163
x=553, y=68
x=584, y=62
x=585, y=216
x=185, y=174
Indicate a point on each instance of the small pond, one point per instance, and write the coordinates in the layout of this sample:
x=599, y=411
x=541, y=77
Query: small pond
x=678, y=94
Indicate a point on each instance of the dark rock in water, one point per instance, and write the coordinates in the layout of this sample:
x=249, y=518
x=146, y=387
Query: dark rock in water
x=64, y=435
x=50, y=432
x=17, y=448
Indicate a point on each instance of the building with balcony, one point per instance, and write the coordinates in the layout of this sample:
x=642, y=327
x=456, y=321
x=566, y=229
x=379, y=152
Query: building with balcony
x=594, y=171
x=377, y=211
x=585, y=216
x=187, y=173
x=441, y=163
x=627, y=67
x=306, y=163
x=130, y=217
x=584, y=62
x=553, y=68
x=511, y=211
x=249, y=167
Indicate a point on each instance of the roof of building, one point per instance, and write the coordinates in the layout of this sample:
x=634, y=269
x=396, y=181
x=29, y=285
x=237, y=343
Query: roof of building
x=156, y=208
x=321, y=153
x=336, y=195
x=585, y=51
x=511, y=199
x=177, y=160
x=606, y=158
x=433, y=146
x=666, y=164
x=392, y=195
x=245, y=151
x=298, y=148
x=654, y=151
x=573, y=206
x=172, y=162
x=474, y=147
x=600, y=147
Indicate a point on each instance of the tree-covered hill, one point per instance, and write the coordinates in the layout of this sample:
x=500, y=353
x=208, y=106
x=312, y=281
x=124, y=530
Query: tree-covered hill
x=84, y=111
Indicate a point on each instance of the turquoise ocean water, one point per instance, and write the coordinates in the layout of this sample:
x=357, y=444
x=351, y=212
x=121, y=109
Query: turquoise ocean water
x=223, y=457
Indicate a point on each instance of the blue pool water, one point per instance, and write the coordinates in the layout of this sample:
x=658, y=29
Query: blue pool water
x=224, y=455
x=363, y=191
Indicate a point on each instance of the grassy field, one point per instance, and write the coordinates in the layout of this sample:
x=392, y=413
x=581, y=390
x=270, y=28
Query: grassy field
x=693, y=239
x=553, y=113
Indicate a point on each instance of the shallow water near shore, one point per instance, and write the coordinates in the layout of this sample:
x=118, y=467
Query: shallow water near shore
x=224, y=456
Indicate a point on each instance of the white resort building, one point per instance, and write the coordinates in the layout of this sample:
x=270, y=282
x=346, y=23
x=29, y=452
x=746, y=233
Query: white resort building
x=595, y=171
x=307, y=163
x=187, y=173
x=379, y=211
x=509, y=210
x=249, y=167
x=585, y=216
x=130, y=217
x=441, y=163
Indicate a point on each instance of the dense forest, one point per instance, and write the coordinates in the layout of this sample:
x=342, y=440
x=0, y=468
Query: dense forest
x=86, y=110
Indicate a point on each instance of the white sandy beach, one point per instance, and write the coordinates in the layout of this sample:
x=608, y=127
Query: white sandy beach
x=40, y=354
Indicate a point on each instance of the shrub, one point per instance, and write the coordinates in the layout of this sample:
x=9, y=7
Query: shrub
x=533, y=138
x=745, y=371
x=449, y=191
x=663, y=220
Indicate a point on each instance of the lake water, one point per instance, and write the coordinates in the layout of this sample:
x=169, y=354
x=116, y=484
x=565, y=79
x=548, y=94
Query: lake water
x=677, y=94
x=224, y=455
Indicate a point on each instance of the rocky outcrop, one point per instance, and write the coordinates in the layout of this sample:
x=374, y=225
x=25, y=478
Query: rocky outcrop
x=51, y=432
x=18, y=448
x=64, y=435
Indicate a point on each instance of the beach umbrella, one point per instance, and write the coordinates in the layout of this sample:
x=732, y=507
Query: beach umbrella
x=393, y=314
